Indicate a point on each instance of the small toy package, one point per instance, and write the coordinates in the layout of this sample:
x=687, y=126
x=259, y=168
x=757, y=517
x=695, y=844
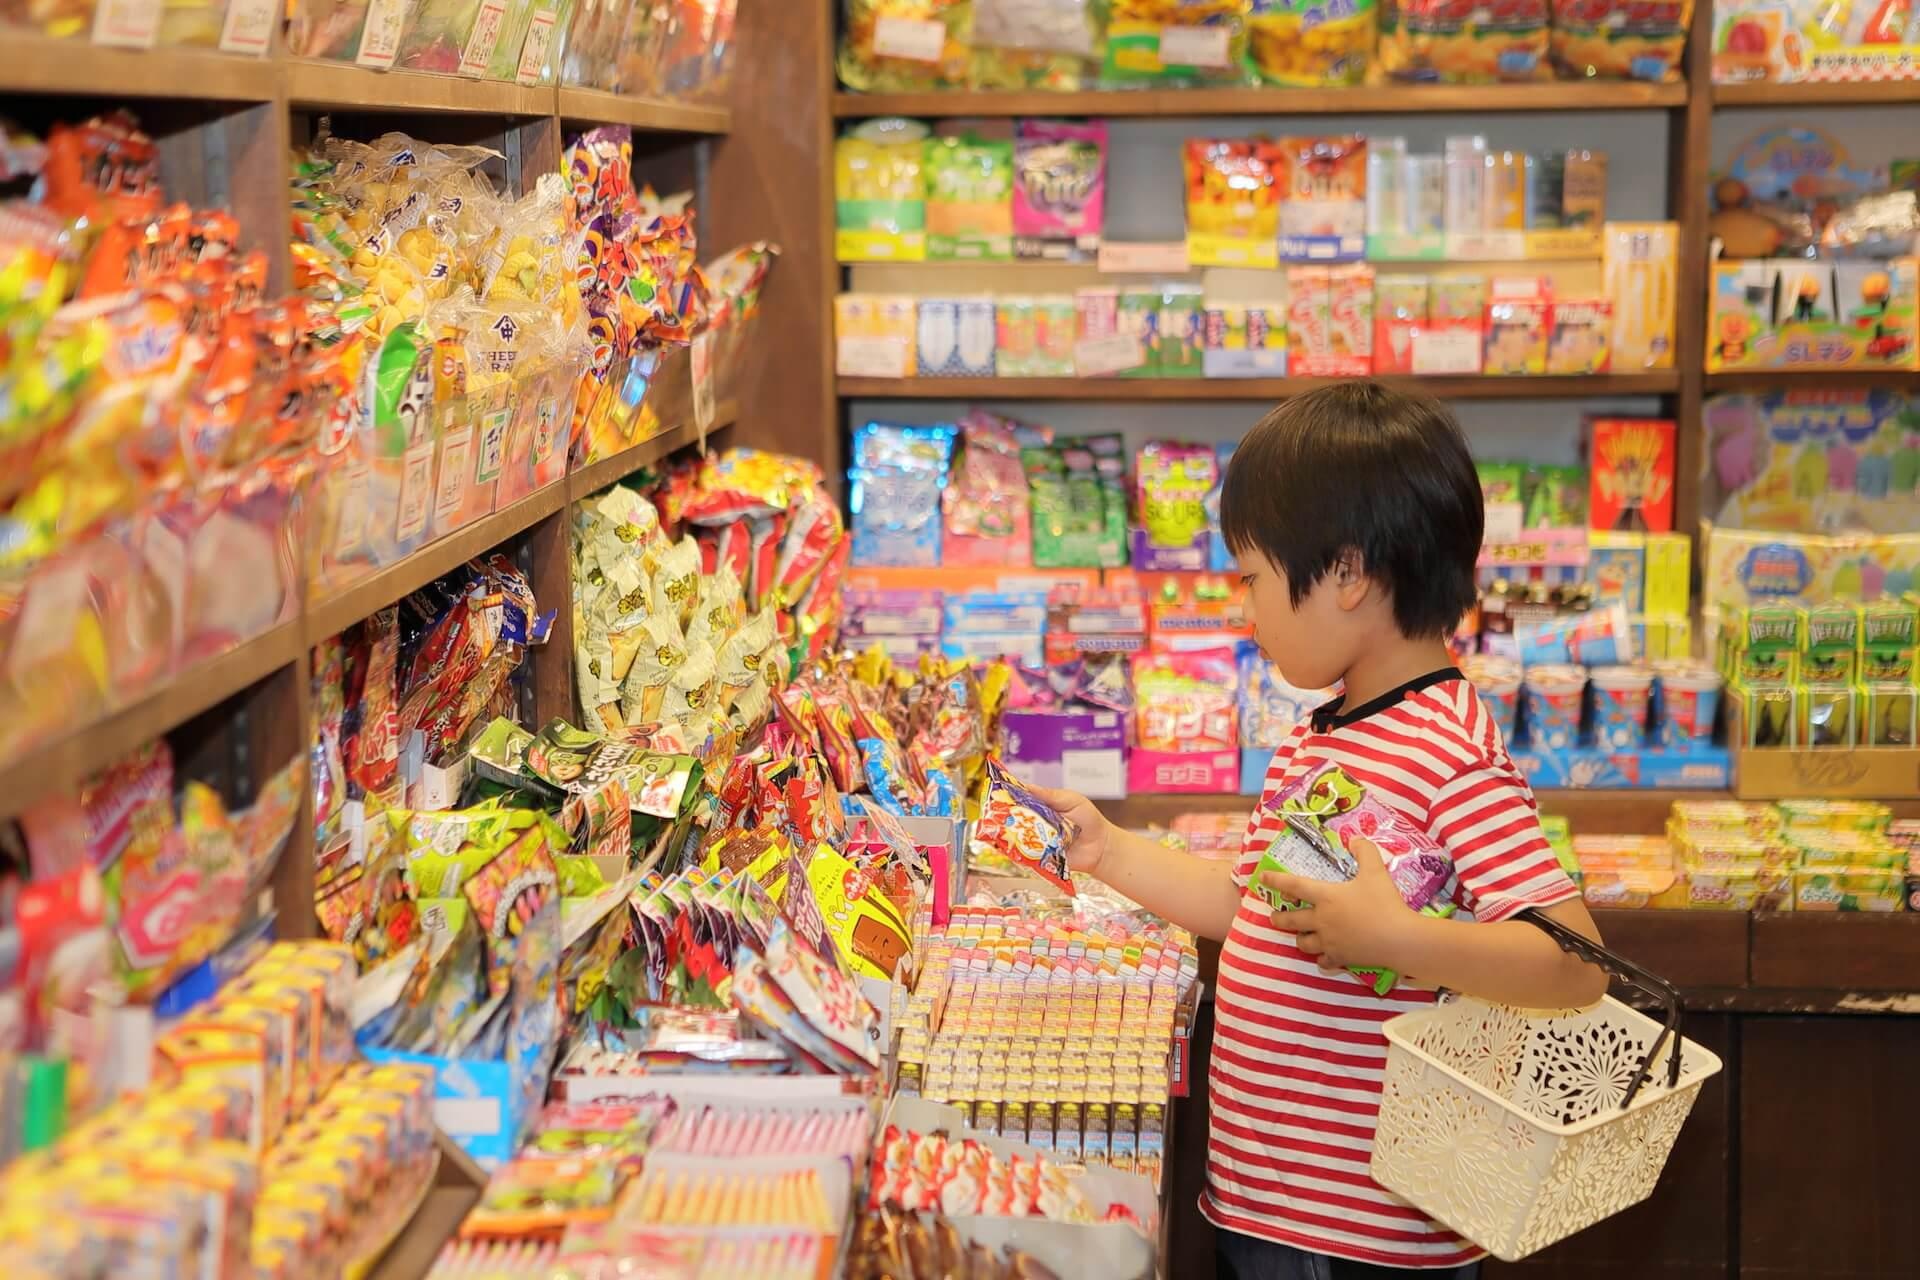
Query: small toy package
x=1305, y=44
x=1172, y=481
x=1609, y=40
x=969, y=199
x=1176, y=41
x=875, y=335
x=897, y=475
x=1325, y=810
x=1059, y=189
x=1186, y=701
x=1399, y=314
x=1020, y=827
x=899, y=46
x=1440, y=41
x=1178, y=331
x=1233, y=202
x=880, y=192
x=1323, y=199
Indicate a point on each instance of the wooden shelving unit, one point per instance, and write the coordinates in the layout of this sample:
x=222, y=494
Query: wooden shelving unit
x=653, y=114
x=1871, y=93
x=1268, y=389
x=341, y=86
x=40, y=64
x=1190, y=103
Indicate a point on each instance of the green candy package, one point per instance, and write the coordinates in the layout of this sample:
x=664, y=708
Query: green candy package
x=969, y=199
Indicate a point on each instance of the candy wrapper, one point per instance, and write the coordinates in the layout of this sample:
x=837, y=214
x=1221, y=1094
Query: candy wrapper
x=1018, y=825
x=897, y=478
x=1324, y=810
x=985, y=503
x=1186, y=701
x=1059, y=189
x=892, y=46
x=1431, y=40
x=796, y=999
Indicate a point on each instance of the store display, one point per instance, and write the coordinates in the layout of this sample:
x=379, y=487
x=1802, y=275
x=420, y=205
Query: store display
x=1766, y=40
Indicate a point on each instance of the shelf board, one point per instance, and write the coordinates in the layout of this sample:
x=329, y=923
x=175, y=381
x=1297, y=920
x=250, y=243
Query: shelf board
x=1818, y=94
x=596, y=476
x=41, y=64
x=412, y=1253
x=1249, y=389
x=1815, y=380
x=341, y=86
x=1370, y=100
x=60, y=765
x=661, y=115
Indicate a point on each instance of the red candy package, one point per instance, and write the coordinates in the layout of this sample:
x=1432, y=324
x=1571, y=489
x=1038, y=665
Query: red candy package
x=1186, y=701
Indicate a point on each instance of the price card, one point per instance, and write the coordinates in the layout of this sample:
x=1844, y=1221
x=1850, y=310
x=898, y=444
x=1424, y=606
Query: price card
x=871, y=357
x=703, y=407
x=455, y=450
x=493, y=445
x=380, y=33
x=915, y=39
x=127, y=24
x=356, y=509
x=487, y=25
x=1446, y=351
x=416, y=491
x=545, y=428
x=1503, y=523
x=249, y=26
x=533, y=53
x=1193, y=46
x=1111, y=354
x=1143, y=258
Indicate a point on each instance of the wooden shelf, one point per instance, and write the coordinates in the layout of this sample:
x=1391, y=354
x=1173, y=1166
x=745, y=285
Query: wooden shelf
x=59, y=766
x=420, y=1241
x=1821, y=94
x=1248, y=389
x=40, y=64
x=341, y=86
x=596, y=476
x=1827, y=380
x=1371, y=100
x=592, y=106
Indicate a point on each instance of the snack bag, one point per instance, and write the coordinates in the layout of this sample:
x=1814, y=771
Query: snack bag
x=880, y=192
x=1019, y=826
x=1324, y=810
x=1233, y=202
x=1059, y=189
x=1613, y=40
x=1172, y=482
x=969, y=199
x=1452, y=43
x=1035, y=44
x=897, y=477
x=896, y=46
x=1176, y=41
x=1309, y=44
x=985, y=503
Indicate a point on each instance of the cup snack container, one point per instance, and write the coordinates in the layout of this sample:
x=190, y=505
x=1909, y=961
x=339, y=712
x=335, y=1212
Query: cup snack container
x=1517, y=1128
x=1688, y=702
x=1498, y=682
x=1620, y=697
x=1553, y=694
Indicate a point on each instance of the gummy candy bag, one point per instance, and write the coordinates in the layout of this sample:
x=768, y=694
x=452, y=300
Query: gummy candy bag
x=1018, y=825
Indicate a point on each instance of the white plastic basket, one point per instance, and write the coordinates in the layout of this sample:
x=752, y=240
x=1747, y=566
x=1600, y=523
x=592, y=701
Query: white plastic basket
x=1517, y=1128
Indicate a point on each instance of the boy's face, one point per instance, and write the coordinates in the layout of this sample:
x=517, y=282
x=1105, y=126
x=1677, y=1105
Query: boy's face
x=1308, y=642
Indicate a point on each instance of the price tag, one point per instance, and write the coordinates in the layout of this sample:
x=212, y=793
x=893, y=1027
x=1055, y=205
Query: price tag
x=1111, y=354
x=1151, y=258
x=533, y=53
x=356, y=503
x=1193, y=46
x=484, y=36
x=127, y=24
x=493, y=445
x=871, y=357
x=249, y=26
x=1446, y=351
x=703, y=409
x=915, y=39
x=452, y=490
x=1503, y=523
x=545, y=427
x=416, y=491
x=380, y=33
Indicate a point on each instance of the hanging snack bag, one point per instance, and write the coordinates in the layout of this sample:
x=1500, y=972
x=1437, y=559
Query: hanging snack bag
x=1613, y=40
x=1176, y=41
x=1233, y=202
x=1310, y=44
x=1059, y=189
x=1440, y=41
x=1018, y=825
x=899, y=46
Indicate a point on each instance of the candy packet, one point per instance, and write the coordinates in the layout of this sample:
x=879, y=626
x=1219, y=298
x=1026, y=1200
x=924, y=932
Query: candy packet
x=1303, y=43
x=1018, y=825
x=1059, y=189
x=895, y=46
x=969, y=191
x=1324, y=810
x=1186, y=701
x=1437, y=41
x=897, y=478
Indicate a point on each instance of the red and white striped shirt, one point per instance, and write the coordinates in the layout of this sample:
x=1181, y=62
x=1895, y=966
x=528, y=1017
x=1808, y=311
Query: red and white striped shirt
x=1298, y=1054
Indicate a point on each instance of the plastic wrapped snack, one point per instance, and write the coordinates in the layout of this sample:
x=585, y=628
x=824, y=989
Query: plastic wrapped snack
x=1035, y=44
x=1439, y=41
x=1176, y=41
x=1308, y=43
x=1614, y=40
x=1018, y=825
x=892, y=46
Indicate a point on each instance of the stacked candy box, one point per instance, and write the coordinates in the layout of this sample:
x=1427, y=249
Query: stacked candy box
x=1837, y=674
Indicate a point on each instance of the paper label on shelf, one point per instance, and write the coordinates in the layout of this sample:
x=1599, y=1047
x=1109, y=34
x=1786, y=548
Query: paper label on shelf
x=380, y=33
x=1111, y=354
x=416, y=491
x=1211, y=250
x=1503, y=522
x=703, y=407
x=452, y=490
x=493, y=445
x=249, y=26
x=355, y=510
x=915, y=39
x=127, y=24
x=1193, y=46
x=545, y=428
x=871, y=357
x=1153, y=258
x=533, y=53
x=1446, y=351
x=487, y=25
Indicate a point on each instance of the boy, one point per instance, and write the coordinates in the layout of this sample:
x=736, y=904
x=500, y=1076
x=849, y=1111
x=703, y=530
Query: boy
x=1355, y=514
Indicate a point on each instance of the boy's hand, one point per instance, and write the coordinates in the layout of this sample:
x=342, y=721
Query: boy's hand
x=1086, y=852
x=1355, y=922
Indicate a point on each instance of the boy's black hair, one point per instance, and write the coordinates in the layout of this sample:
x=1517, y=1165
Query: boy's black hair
x=1360, y=467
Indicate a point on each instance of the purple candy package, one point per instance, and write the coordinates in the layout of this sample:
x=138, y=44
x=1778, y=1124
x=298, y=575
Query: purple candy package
x=1059, y=190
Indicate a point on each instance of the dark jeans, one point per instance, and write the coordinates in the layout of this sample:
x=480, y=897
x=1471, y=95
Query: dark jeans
x=1241, y=1257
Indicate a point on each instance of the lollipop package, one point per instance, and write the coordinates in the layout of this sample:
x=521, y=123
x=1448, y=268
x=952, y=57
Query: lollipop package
x=1018, y=825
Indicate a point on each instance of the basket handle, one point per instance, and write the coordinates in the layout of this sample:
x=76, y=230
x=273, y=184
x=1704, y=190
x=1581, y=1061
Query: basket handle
x=1626, y=971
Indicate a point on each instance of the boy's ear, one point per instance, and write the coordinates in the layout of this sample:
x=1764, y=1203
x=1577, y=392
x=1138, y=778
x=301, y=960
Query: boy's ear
x=1350, y=581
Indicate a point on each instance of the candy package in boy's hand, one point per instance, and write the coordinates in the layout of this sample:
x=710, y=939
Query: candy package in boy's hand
x=1324, y=811
x=1018, y=825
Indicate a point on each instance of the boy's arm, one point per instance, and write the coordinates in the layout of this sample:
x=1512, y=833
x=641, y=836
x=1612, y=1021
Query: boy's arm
x=1198, y=894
